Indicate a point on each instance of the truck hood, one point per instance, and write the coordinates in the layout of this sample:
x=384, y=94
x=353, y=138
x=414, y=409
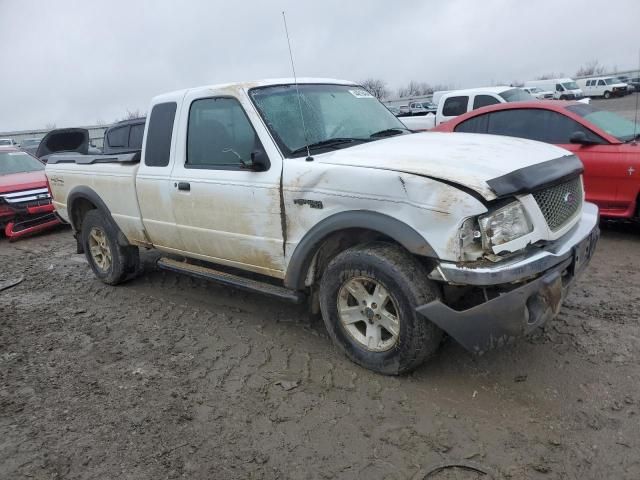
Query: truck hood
x=466, y=159
x=16, y=182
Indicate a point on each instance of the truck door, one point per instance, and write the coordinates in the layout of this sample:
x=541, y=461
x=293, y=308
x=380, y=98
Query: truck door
x=153, y=180
x=227, y=212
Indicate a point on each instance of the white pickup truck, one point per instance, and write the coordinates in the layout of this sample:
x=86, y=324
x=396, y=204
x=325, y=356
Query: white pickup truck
x=452, y=103
x=316, y=192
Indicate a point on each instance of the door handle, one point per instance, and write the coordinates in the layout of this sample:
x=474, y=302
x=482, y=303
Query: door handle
x=186, y=186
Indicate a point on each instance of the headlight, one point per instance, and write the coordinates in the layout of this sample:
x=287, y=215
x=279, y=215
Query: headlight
x=504, y=225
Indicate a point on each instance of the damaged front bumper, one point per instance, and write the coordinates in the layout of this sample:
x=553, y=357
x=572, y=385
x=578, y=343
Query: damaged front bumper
x=544, y=278
x=21, y=222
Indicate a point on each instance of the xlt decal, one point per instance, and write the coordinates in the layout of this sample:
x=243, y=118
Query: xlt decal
x=311, y=203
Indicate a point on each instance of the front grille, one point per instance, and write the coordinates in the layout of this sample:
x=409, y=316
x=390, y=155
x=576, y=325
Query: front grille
x=560, y=203
x=37, y=196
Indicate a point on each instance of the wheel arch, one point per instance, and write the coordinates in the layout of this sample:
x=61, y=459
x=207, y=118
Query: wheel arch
x=347, y=229
x=80, y=200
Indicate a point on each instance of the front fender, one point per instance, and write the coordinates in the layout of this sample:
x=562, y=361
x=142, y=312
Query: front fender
x=305, y=250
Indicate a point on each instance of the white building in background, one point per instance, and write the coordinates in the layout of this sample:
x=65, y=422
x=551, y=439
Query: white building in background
x=96, y=134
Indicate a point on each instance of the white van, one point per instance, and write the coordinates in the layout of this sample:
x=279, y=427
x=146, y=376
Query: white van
x=562, y=88
x=606, y=87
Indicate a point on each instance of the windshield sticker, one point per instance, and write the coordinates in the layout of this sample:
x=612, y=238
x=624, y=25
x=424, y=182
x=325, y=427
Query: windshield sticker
x=360, y=93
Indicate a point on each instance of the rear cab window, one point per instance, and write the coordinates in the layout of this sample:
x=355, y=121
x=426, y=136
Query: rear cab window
x=117, y=137
x=484, y=101
x=135, y=136
x=159, y=134
x=454, y=106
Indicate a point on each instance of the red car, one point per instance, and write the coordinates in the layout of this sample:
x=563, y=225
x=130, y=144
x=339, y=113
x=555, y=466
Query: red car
x=25, y=201
x=606, y=143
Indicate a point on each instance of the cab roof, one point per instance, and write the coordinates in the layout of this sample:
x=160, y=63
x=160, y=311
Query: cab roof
x=178, y=94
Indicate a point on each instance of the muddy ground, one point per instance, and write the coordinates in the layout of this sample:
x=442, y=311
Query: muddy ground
x=171, y=377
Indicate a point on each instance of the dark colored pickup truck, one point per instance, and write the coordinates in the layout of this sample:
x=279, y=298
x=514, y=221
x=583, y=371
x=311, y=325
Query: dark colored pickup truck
x=122, y=137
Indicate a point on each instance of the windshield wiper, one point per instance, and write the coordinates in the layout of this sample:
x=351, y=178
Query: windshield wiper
x=389, y=132
x=328, y=143
x=633, y=138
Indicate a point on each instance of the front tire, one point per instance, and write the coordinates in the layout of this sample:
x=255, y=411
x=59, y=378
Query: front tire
x=368, y=297
x=111, y=262
x=607, y=95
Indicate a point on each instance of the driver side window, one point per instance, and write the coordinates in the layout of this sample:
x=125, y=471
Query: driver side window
x=219, y=135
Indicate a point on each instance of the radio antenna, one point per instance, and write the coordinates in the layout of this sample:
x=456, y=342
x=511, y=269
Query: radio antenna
x=635, y=128
x=295, y=81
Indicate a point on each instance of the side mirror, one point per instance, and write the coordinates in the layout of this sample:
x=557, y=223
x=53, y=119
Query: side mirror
x=580, y=138
x=259, y=161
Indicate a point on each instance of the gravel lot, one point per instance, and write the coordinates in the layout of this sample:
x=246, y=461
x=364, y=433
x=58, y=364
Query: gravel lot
x=171, y=377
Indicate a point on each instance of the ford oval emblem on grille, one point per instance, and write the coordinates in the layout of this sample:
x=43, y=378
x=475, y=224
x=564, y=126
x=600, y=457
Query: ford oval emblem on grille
x=569, y=198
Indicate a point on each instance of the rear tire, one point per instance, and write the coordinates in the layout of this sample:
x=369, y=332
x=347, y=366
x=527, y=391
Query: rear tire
x=111, y=262
x=607, y=94
x=368, y=297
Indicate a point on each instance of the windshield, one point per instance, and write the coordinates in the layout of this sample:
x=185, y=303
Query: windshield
x=329, y=112
x=611, y=81
x=30, y=142
x=612, y=123
x=515, y=95
x=4, y=141
x=428, y=105
x=18, y=162
x=570, y=85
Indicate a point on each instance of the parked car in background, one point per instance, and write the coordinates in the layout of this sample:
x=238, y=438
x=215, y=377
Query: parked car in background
x=393, y=109
x=30, y=145
x=404, y=110
x=121, y=137
x=626, y=80
x=537, y=92
x=635, y=83
x=562, y=88
x=606, y=87
x=394, y=237
x=25, y=201
x=422, y=108
x=604, y=141
x=7, y=142
x=456, y=102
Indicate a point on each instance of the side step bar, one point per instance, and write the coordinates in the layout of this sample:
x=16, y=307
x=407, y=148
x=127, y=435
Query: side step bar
x=235, y=281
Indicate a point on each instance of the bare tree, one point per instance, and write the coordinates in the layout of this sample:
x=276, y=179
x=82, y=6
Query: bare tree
x=517, y=83
x=376, y=87
x=442, y=86
x=414, y=89
x=132, y=114
x=547, y=76
x=590, y=68
x=50, y=126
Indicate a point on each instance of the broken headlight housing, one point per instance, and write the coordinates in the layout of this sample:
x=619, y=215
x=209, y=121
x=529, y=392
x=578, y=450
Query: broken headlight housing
x=504, y=225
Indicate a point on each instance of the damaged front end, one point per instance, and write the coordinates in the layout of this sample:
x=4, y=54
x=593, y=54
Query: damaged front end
x=487, y=304
x=26, y=212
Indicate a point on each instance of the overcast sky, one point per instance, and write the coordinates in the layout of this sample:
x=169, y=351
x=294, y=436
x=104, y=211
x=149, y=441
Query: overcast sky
x=78, y=62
